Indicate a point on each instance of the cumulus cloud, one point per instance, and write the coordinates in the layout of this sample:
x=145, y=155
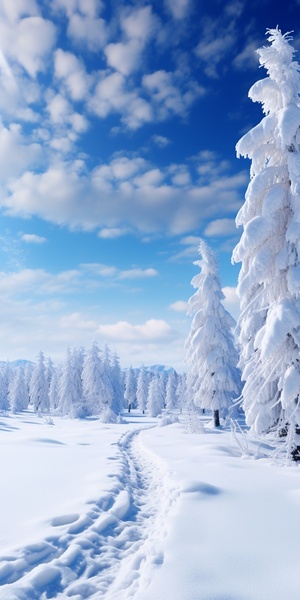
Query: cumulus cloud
x=160, y=141
x=16, y=153
x=87, y=30
x=178, y=8
x=112, y=233
x=40, y=281
x=150, y=331
x=70, y=70
x=112, y=96
x=52, y=326
x=85, y=26
x=28, y=42
x=124, y=57
x=220, y=228
x=168, y=96
x=109, y=271
x=138, y=26
x=126, y=193
x=89, y=8
x=179, y=306
x=32, y=238
x=138, y=273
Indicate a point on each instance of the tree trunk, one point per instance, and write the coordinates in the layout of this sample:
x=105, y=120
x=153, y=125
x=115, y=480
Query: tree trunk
x=216, y=418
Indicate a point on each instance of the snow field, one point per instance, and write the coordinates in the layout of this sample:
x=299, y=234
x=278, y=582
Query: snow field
x=235, y=533
x=102, y=552
x=147, y=513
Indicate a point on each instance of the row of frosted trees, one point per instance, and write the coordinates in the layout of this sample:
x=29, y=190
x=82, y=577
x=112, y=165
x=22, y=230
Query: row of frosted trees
x=88, y=383
x=269, y=279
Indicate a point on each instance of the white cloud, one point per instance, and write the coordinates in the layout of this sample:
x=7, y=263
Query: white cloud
x=248, y=57
x=16, y=154
x=88, y=31
x=140, y=23
x=160, y=141
x=32, y=238
x=89, y=8
x=125, y=168
x=123, y=193
x=218, y=38
x=179, y=306
x=151, y=331
x=72, y=72
x=138, y=26
x=178, y=8
x=221, y=228
x=168, y=95
x=190, y=252
x=190, y=240
x=111, y=96
x=85, y=27
x=137, y=273
x=39, y=282
x=51, y=327
x=124, y=57
x=28, y=41
x=153, y=177
x=112, y=233
x=69, y=123
x=13, y=11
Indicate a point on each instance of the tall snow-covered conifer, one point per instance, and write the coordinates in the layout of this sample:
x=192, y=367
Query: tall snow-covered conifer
x=142, y=386
x=210, y=350
x=38, y=387
x=269, y=248
x=156, y=399
x=18, y=392
x=171, y=387
x=92, y=382
x=130, y=388
x=117, y=385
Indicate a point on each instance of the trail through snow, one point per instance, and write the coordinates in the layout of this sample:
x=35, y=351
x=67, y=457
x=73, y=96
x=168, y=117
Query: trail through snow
x=111, y=551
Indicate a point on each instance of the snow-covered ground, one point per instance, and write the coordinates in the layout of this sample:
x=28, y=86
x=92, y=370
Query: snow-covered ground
x=144, y=512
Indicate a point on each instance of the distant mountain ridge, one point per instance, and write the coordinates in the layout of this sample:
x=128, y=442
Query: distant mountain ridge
x=20, y=362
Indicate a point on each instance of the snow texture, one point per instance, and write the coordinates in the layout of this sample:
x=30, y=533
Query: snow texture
x=139, y=512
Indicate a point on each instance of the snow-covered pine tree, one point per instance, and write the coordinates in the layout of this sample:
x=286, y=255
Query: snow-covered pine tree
x=171, y=388
x=5, y=379
x=210, y=350
x=107, y=375
x=269, y=248
x=28, y=373
x=92, y=382
x=78, y=355
x=53, y=390
x=68, y=399
x=38, y=387
x=117, y=385
x=182, y=391
x=156, y=398
x=142, y=385
x=49, y=370
x=18, y=391
x=130, y=388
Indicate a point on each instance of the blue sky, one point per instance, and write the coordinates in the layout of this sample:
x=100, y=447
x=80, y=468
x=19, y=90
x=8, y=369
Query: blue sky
x=117, y=153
